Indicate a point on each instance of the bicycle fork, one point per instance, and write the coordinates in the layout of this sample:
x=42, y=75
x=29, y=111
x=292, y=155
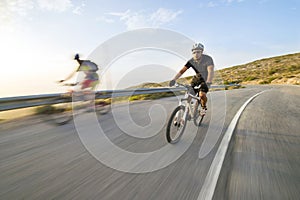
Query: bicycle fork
x=186, y=111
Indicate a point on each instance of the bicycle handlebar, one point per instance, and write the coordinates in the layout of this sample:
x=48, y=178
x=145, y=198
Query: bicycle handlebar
x=187, y=86
x=68, y=84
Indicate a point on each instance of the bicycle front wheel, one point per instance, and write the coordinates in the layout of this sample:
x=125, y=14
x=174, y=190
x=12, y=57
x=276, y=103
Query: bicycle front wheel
x=176, y=125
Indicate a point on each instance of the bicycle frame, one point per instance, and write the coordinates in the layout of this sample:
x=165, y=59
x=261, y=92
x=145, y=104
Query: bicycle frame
x=185, y=111
x=188, y=97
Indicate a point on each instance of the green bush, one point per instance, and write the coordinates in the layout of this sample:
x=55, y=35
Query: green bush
x=226, y=82
x=291, y=76
x=47, y=109
x=277, y=60
x=272, y=71
x=293, y=68
x=236, y=81
x=264, y=82
x=136, y=97
x=250, y=78
x=151, y=96
x=271, y=79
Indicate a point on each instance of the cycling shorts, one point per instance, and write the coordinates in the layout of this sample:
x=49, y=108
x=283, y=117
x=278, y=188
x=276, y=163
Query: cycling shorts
x=199, y=80
x=89, y=84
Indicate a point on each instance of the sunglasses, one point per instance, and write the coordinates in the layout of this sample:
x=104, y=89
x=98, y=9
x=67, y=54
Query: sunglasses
x=194, y=52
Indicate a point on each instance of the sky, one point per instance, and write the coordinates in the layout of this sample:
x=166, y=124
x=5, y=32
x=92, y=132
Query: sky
x=38, y=38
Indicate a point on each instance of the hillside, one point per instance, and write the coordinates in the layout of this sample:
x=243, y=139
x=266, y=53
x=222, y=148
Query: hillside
x=283, y=69
x=275, y=70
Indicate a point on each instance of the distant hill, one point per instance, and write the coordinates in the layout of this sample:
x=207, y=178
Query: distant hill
x=283, y=69
x=147, y=85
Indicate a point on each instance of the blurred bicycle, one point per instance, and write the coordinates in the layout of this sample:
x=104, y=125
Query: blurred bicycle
x=60, y=110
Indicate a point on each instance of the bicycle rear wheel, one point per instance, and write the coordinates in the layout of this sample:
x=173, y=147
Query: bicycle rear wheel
x=198, y=118
x=176, y=125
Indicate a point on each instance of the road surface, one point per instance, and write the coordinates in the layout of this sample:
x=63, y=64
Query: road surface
x=43, y=161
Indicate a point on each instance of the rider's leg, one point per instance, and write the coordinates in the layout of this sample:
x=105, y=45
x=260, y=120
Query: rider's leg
x=203, y=91
x=203, y=99
x=203, y=103
x=90, y=93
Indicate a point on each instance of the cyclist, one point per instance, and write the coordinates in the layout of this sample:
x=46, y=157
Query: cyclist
x=203, y=65
x=91, y=79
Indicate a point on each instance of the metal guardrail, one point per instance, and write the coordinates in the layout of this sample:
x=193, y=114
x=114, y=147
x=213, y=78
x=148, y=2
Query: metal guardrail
x=10, y=103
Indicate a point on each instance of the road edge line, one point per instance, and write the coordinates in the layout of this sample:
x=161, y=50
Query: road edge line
x=210, y=183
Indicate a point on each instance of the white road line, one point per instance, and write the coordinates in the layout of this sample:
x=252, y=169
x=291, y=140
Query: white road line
x=211, y=179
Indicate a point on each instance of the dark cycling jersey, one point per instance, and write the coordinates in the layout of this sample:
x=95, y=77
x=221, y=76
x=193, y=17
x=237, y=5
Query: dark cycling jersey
x=201, y=66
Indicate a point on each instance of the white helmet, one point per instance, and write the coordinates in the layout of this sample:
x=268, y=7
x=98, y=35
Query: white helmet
x=198, y=46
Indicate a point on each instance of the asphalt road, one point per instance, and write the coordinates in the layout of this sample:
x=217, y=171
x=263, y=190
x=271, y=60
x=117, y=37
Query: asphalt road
x=75, y=161
x=264, y=156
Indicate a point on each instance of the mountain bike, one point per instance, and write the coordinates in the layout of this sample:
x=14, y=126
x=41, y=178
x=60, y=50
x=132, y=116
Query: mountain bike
x=188, y=109
x=60, y=110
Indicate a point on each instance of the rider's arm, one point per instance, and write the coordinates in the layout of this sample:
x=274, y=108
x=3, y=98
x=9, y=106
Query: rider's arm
x=210, y=76
x=180, y=73
x=71, y=75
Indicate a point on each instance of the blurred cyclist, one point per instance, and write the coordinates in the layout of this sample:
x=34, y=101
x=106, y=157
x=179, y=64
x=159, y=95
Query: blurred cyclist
x=203, y=65
x=91, y=79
